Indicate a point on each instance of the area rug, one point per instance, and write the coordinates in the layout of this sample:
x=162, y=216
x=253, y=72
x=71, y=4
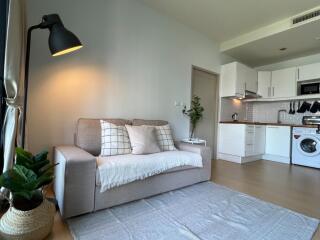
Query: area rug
x=201, y=211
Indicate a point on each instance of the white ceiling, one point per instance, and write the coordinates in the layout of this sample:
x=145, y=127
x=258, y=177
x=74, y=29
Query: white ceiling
x=251, y=31
x=223, y=20
x=300, y=41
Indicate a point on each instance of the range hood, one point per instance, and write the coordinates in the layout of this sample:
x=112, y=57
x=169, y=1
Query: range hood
x=247, y=95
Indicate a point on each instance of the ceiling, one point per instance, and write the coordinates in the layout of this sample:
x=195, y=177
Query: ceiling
x=300, y=41
x=223, y=20
x=230, y=21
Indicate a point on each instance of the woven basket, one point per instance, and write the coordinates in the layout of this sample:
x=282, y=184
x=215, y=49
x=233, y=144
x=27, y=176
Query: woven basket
x=35, y=224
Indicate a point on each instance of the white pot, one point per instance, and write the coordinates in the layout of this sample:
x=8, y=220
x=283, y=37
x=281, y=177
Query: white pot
x=34, y=224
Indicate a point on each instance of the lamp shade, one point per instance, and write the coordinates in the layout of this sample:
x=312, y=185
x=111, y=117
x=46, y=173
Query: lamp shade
x=61, y=40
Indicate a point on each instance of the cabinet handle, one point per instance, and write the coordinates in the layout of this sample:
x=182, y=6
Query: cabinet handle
x=249, y=144
x=272, y=91
x=269, y=91
x=298, y=73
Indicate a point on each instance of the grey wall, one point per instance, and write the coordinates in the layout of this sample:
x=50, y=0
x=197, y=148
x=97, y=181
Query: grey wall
x=135, y=64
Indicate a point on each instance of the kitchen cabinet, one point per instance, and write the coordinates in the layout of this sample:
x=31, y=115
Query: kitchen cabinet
x=277, y=84
x=283, y=83
x=241, y=141
x=278, y=143
x=236, y=78
x=259, y=139
x=264, y=84
x=309, y=72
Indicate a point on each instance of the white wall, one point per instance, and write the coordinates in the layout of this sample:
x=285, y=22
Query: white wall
x=291, y=63
x=135, y=63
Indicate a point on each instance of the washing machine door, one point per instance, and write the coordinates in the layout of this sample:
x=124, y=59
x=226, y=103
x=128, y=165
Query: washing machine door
x=309, y=145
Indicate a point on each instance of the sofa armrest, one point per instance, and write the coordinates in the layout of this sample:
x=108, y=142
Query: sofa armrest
x=74, y=183
x=204, y=151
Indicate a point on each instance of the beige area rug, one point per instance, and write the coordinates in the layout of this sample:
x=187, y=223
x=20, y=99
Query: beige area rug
x=202, y=211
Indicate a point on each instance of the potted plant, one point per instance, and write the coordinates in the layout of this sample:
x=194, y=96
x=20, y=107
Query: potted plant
x=195, y=113
x=30, y=215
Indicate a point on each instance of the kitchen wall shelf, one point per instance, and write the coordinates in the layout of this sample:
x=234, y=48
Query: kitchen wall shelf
x=304, y=97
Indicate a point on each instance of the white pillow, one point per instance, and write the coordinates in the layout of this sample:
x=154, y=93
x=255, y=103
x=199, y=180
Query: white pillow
x=114, y=139
x=164, y=137
x=143, y=139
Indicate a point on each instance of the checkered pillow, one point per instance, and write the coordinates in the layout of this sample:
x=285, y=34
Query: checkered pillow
x=114, y=139
x=164, y=137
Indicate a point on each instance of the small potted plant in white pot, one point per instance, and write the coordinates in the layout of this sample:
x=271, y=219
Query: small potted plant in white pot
x=30, y=215
x=195, y=113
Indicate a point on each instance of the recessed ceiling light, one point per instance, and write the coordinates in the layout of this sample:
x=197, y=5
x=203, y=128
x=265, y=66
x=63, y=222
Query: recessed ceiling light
x=283, y=49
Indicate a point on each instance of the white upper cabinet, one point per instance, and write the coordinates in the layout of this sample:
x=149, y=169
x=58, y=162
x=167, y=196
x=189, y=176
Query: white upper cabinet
x=236, y=78
x=264, y=84
x=283, y=83
x=309, y=72
x=251, y=79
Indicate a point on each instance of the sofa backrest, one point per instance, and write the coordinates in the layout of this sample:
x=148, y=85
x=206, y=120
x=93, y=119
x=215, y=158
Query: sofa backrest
x=139, y=122
x=88, y=131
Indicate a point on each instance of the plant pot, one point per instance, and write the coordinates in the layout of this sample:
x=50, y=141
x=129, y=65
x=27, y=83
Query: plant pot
x=34, y=224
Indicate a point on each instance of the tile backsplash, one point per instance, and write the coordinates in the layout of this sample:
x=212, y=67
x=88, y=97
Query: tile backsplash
x=268, y=111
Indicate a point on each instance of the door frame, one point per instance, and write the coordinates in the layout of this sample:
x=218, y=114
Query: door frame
x=217, y=114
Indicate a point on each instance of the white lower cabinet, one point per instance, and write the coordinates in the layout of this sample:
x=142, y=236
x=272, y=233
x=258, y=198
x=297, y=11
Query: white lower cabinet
x=278, y=143
x=241, y=142
x=244, y=143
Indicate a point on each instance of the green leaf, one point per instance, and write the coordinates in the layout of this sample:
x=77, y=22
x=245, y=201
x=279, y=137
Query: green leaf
x=27, y=174
x=23, y=157
x=46, y=168
x=37, y=166
x=12, y=181
x=41, y=156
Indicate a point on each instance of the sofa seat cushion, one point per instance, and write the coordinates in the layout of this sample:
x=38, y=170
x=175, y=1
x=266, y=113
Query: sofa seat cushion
x=121, y=169
x=175, y=169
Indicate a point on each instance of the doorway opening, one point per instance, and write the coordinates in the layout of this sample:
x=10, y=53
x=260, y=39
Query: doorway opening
x=205, y=84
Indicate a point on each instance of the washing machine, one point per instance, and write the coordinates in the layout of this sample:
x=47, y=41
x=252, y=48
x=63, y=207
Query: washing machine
x=306, y=147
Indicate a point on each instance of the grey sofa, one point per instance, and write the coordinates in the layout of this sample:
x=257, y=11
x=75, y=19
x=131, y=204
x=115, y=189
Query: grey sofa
x=75, y=177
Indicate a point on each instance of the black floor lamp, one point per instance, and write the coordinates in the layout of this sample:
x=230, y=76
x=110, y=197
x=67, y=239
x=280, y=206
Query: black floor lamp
x=61, y=41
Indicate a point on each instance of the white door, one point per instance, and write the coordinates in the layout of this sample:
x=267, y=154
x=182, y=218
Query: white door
x=278, y=141
x=264, y=84
x=309, y=72
x=205, y=86
x=284, y=83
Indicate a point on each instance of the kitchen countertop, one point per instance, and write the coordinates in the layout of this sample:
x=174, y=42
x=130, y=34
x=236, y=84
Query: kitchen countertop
x=264, y=123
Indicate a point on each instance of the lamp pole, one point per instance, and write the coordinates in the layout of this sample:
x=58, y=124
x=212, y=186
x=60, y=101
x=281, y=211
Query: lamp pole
x=61, y=41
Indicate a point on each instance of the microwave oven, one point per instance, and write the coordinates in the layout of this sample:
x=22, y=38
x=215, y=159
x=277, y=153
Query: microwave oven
x=309, y=88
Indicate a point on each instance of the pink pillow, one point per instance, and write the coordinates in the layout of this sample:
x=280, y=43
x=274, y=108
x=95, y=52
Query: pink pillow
x=143, y=139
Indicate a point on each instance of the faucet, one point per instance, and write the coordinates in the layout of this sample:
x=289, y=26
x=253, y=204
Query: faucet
x=281, y=110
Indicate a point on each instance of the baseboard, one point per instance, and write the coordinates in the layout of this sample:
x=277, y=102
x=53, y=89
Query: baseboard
x=229, y=157
x=251, y=158
x=276, y=158
x=238, y=159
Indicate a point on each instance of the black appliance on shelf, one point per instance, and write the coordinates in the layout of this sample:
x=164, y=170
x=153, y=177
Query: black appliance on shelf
x=312, y=120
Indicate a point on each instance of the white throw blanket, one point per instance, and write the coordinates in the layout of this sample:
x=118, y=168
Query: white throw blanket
x=121, y=169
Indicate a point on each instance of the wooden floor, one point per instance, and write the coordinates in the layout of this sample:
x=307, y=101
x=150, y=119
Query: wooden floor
x=293, y=187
